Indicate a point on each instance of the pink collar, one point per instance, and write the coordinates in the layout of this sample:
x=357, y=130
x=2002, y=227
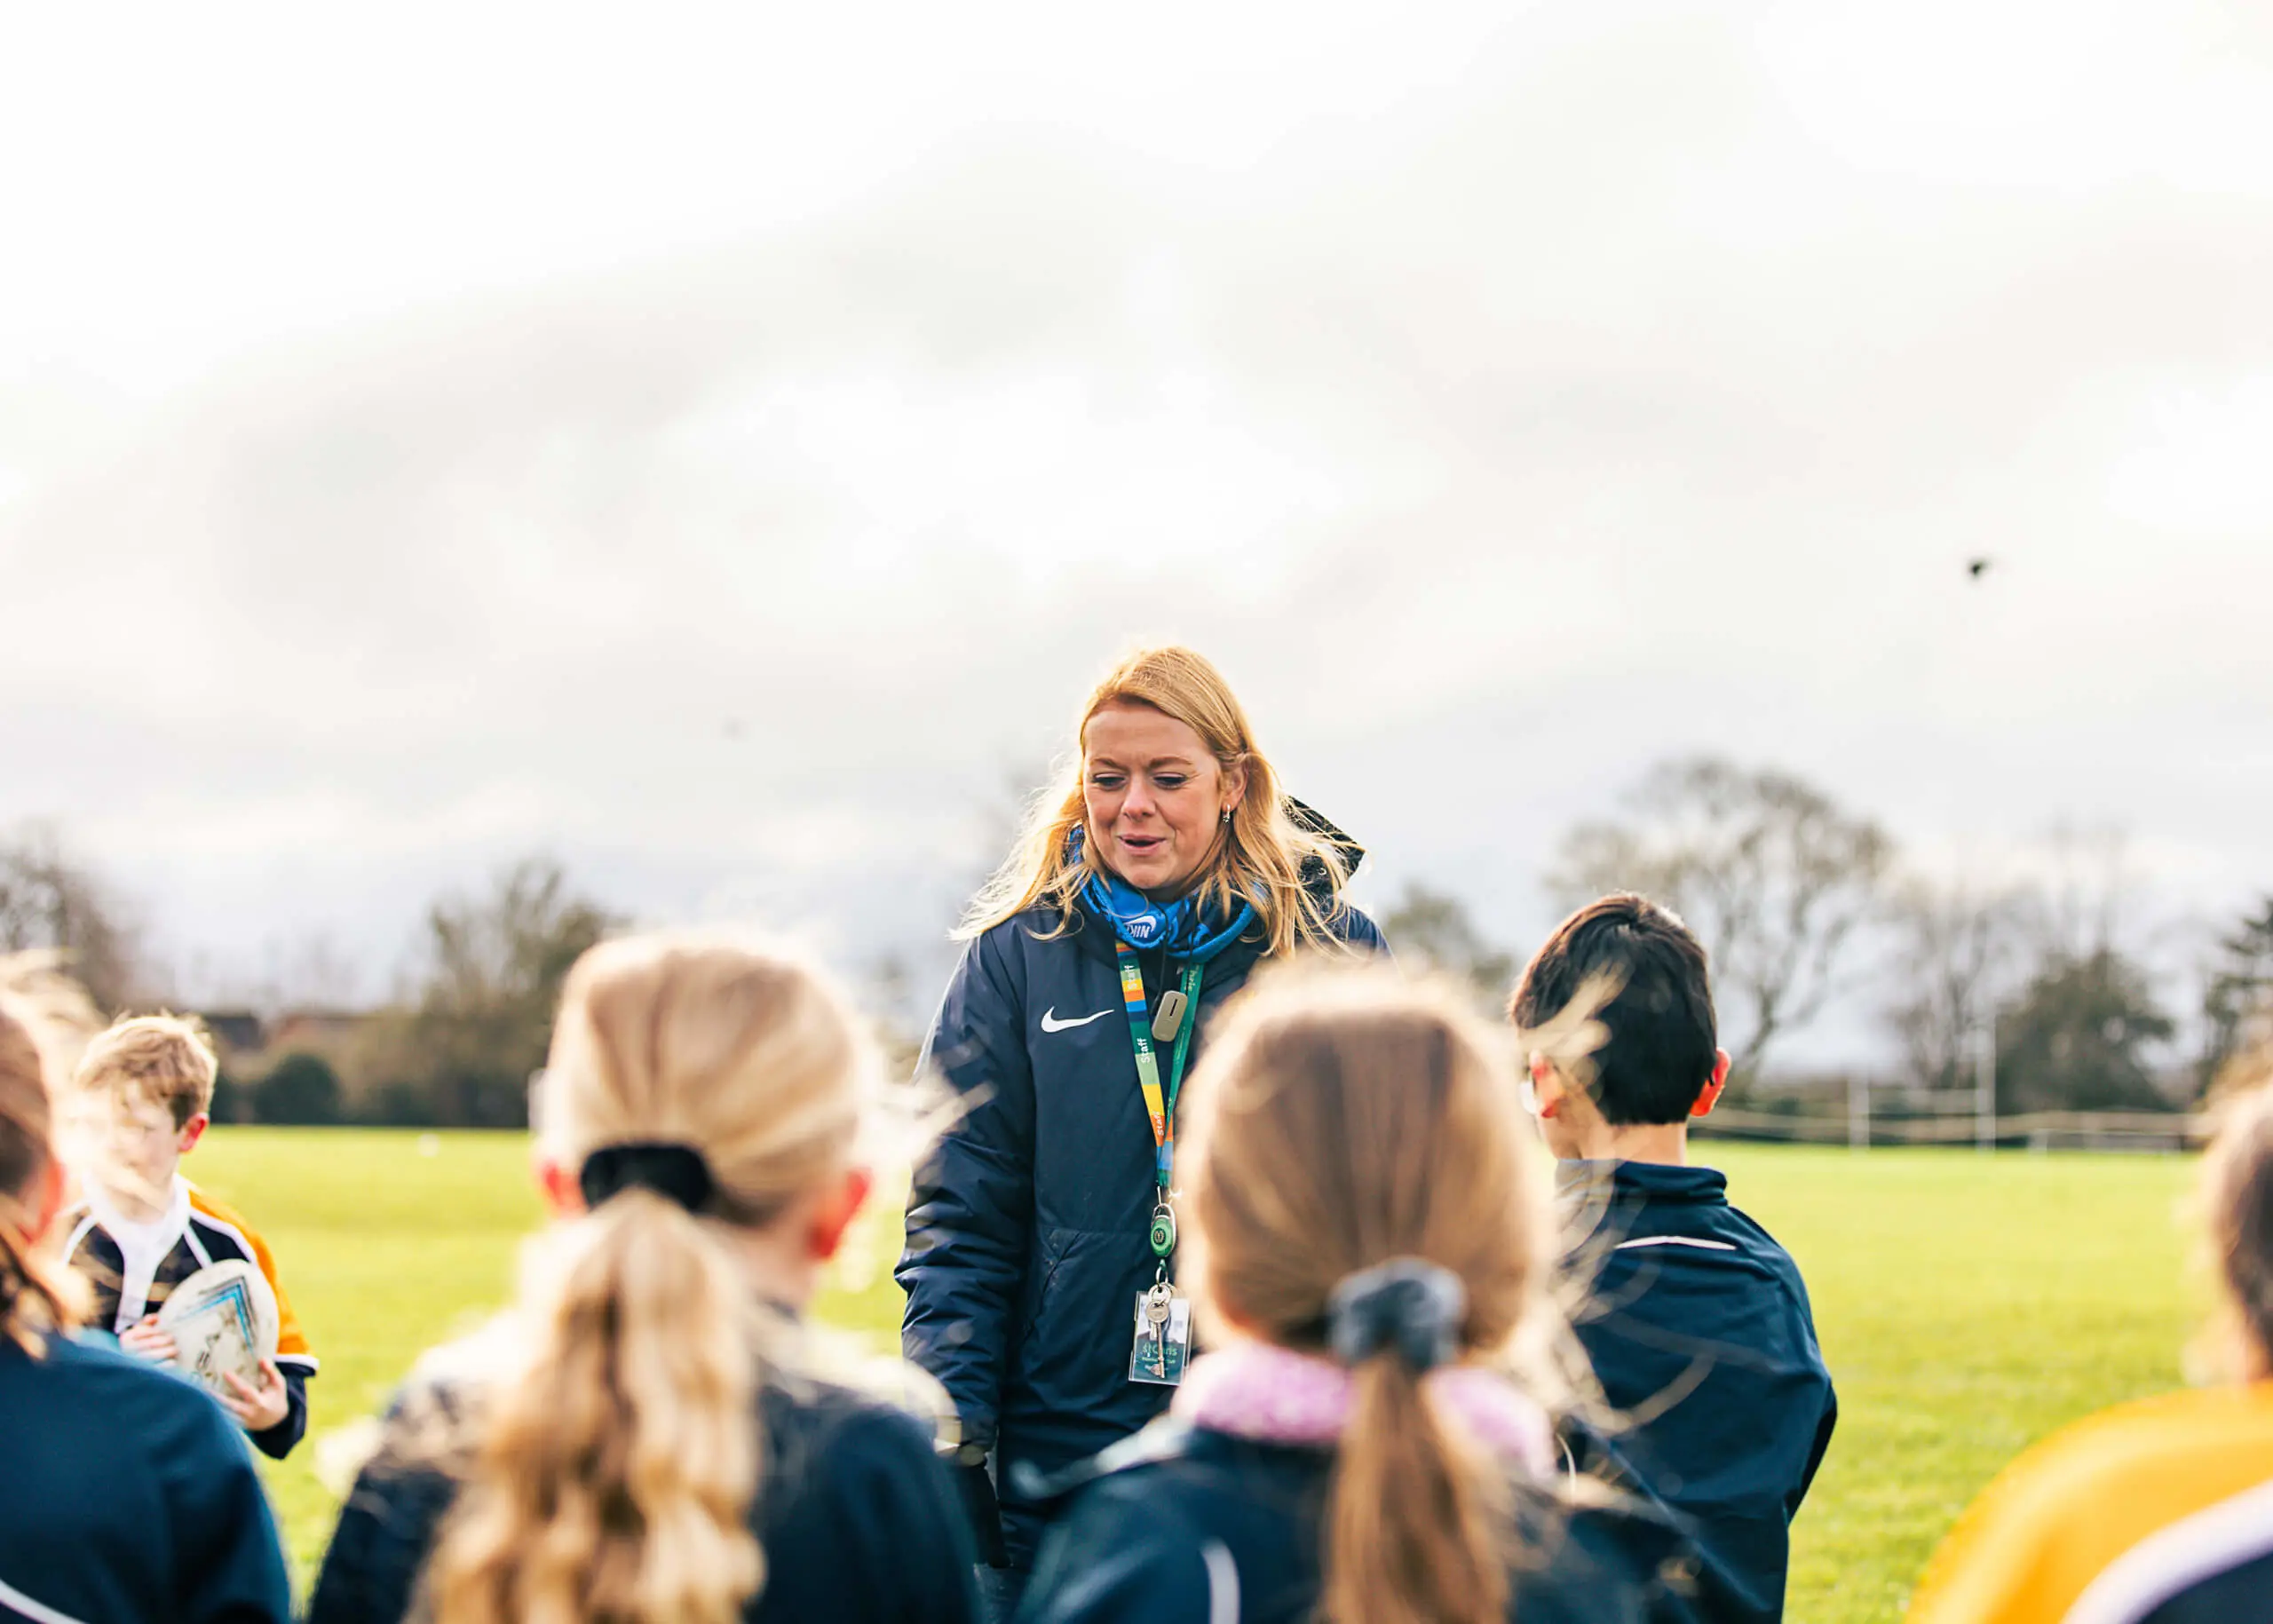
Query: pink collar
x=1276, y=1396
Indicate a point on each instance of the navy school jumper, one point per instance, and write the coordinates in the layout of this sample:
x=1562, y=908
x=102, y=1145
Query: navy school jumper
x=854, y=1513
x=1189, y=1524
x=128, y=1494
x=1027, y=1227
x=1700, y=1331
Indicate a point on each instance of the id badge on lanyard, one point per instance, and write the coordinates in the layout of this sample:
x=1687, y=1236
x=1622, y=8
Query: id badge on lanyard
x=1161, y=1344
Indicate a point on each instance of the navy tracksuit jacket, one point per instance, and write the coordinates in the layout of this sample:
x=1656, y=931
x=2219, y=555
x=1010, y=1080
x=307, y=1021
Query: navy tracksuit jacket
x=1026, y=1229
x=1187, y=1524
x=857, y=1521
x=128, y=1494
x=1700, y=1334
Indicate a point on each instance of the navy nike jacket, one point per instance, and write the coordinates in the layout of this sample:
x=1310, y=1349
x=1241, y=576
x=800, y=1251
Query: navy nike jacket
x=1698, y=1327
x=1026, y=1242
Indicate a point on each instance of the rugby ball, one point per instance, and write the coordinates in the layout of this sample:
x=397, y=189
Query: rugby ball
x=223, y=1319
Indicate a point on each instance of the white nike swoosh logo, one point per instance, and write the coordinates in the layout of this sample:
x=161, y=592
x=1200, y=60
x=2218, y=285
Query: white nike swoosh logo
x=1050, y=1023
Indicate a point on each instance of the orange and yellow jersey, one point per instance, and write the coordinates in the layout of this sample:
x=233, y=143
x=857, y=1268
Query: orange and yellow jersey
x=131, y=1267
x=2157, y=1512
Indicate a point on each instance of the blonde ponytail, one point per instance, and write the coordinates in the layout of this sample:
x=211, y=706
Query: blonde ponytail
x=616, y=1461
x=616, y=1471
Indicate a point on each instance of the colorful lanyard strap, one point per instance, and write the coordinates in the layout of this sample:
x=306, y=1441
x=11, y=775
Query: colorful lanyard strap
x=1159, y=1104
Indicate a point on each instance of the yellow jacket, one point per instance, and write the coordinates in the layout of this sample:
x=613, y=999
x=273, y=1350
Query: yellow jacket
x=2122, y=1513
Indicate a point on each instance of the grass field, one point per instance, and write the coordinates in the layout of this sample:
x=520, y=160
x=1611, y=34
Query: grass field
x=1966, y=1306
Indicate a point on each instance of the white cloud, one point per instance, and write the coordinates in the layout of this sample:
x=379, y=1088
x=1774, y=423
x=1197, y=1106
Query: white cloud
x=717, y=455
x=2197, y=466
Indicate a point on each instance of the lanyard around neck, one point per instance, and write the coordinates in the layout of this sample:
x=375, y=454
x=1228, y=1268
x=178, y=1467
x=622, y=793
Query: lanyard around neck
x=1158, y=1105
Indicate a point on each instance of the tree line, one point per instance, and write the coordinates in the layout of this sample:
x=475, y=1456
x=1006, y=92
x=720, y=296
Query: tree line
x=457, y=1049
x=1803, y=903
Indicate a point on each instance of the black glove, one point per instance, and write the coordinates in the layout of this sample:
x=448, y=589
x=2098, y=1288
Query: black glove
x=978, y=1492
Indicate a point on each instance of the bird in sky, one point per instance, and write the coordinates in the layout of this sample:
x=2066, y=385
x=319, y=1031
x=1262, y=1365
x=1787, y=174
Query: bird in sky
x=1978, y=568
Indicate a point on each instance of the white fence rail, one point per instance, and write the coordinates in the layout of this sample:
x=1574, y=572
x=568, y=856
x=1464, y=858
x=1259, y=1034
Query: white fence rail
x=2148, y=1131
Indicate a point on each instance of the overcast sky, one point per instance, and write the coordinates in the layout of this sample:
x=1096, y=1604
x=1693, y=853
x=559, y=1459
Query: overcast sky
x=721, y=458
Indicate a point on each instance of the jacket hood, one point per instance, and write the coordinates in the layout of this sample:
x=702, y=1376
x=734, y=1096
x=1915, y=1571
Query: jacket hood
x=1311, y=821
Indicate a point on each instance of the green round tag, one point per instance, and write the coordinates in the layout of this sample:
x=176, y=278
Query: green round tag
x=1162, y=1234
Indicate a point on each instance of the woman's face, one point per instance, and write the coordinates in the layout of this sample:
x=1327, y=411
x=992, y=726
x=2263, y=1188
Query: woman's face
x=1155, y=796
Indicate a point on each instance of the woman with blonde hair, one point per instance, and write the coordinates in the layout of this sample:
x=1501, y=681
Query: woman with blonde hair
x=128, y=1493
x=1165, y=864
x=1372, y=1244
x=2158, y=1511
x=641, y=1439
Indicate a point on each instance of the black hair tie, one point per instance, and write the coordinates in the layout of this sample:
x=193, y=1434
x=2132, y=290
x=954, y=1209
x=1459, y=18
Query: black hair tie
x=676, y=1172
x=1407, y=1305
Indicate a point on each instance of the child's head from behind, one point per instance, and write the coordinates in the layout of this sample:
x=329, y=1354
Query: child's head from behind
x=23, y=1109
x=1657, y=1057
x=1348, y=1125
x=25, y=1159
x=733, y=1047
x=2237, y=1215
x=39, y=1013
x=699, y=1114
x=140, y=1101
x=1342, y=1119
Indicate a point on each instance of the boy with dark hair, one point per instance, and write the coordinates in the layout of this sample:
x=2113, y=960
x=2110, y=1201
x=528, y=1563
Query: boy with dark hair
x=1696, y=1320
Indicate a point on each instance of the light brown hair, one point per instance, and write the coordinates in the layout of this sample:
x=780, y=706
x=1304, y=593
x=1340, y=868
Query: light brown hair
x=1265, y=849
x=158, y=1060
x=39, y=1013
x=616, y=1470
x=1344, y=1118
x=2236, y=1210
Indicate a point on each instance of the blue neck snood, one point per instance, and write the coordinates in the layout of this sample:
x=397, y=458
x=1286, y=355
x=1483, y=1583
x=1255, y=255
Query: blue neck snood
x=1178, y=926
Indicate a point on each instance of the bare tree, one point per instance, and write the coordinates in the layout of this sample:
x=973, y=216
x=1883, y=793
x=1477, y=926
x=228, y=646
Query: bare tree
x=893, y=1012
x=2081, y=1036
x=1773, y=875
x=49, y=901
x=1958, y=946
x=2087, y=1030
x=311, y=971
x=1430, y=928
x=494, y=966
x=2076, y=912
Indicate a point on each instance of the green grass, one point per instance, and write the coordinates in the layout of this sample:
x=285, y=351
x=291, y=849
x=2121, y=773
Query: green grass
x=1966, y=1306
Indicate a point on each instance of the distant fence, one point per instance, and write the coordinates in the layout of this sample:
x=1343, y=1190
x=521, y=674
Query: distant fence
x=2037, y=1130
